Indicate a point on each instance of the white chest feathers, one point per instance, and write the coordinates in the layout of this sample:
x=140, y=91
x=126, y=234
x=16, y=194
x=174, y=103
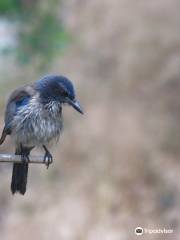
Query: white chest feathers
x=37, y=124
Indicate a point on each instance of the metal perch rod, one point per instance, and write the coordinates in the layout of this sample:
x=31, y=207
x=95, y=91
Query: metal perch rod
x=12, y=158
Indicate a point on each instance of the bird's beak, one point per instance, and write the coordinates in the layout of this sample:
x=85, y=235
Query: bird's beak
x=76, y=105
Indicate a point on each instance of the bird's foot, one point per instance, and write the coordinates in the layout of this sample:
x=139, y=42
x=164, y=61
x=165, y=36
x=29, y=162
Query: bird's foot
x=25, y=154
x=25, y=158
x=48, y=159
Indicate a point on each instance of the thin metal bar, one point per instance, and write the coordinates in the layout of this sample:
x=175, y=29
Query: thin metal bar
x=11, y=158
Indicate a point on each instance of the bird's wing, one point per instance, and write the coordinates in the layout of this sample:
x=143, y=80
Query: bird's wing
x=20, y=97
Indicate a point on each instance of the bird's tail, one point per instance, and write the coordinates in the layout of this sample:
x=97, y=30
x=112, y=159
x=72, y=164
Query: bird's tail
x=20, y=173
x=19, y=178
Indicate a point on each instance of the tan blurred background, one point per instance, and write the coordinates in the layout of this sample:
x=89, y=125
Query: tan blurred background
x=118, y=166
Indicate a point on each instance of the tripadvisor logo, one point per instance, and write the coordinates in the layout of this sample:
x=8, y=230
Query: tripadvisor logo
x=139, y=231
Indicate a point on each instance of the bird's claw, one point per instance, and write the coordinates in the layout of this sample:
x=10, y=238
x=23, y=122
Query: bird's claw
x=25, y=158
x=48, y=159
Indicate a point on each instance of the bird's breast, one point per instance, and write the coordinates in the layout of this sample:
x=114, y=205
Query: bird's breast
x=36, y=124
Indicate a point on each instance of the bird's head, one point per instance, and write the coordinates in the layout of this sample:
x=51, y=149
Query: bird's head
x=58, y=88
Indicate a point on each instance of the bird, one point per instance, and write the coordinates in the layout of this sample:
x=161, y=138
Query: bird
x=33, y=118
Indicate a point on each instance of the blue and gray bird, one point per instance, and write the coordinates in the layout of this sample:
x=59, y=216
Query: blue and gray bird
x=33, y=118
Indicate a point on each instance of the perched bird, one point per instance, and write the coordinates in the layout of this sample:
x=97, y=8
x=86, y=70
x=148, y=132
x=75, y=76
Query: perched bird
x=33, y=117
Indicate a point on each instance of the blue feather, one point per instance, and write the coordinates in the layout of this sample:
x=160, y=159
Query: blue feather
x=48, y=85
x=22, y=102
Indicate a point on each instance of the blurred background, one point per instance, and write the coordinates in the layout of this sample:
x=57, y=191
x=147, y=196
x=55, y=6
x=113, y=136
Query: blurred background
x=117, y=167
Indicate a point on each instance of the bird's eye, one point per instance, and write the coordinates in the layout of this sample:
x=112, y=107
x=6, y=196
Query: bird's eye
x=64, y=94
x=60, y=92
